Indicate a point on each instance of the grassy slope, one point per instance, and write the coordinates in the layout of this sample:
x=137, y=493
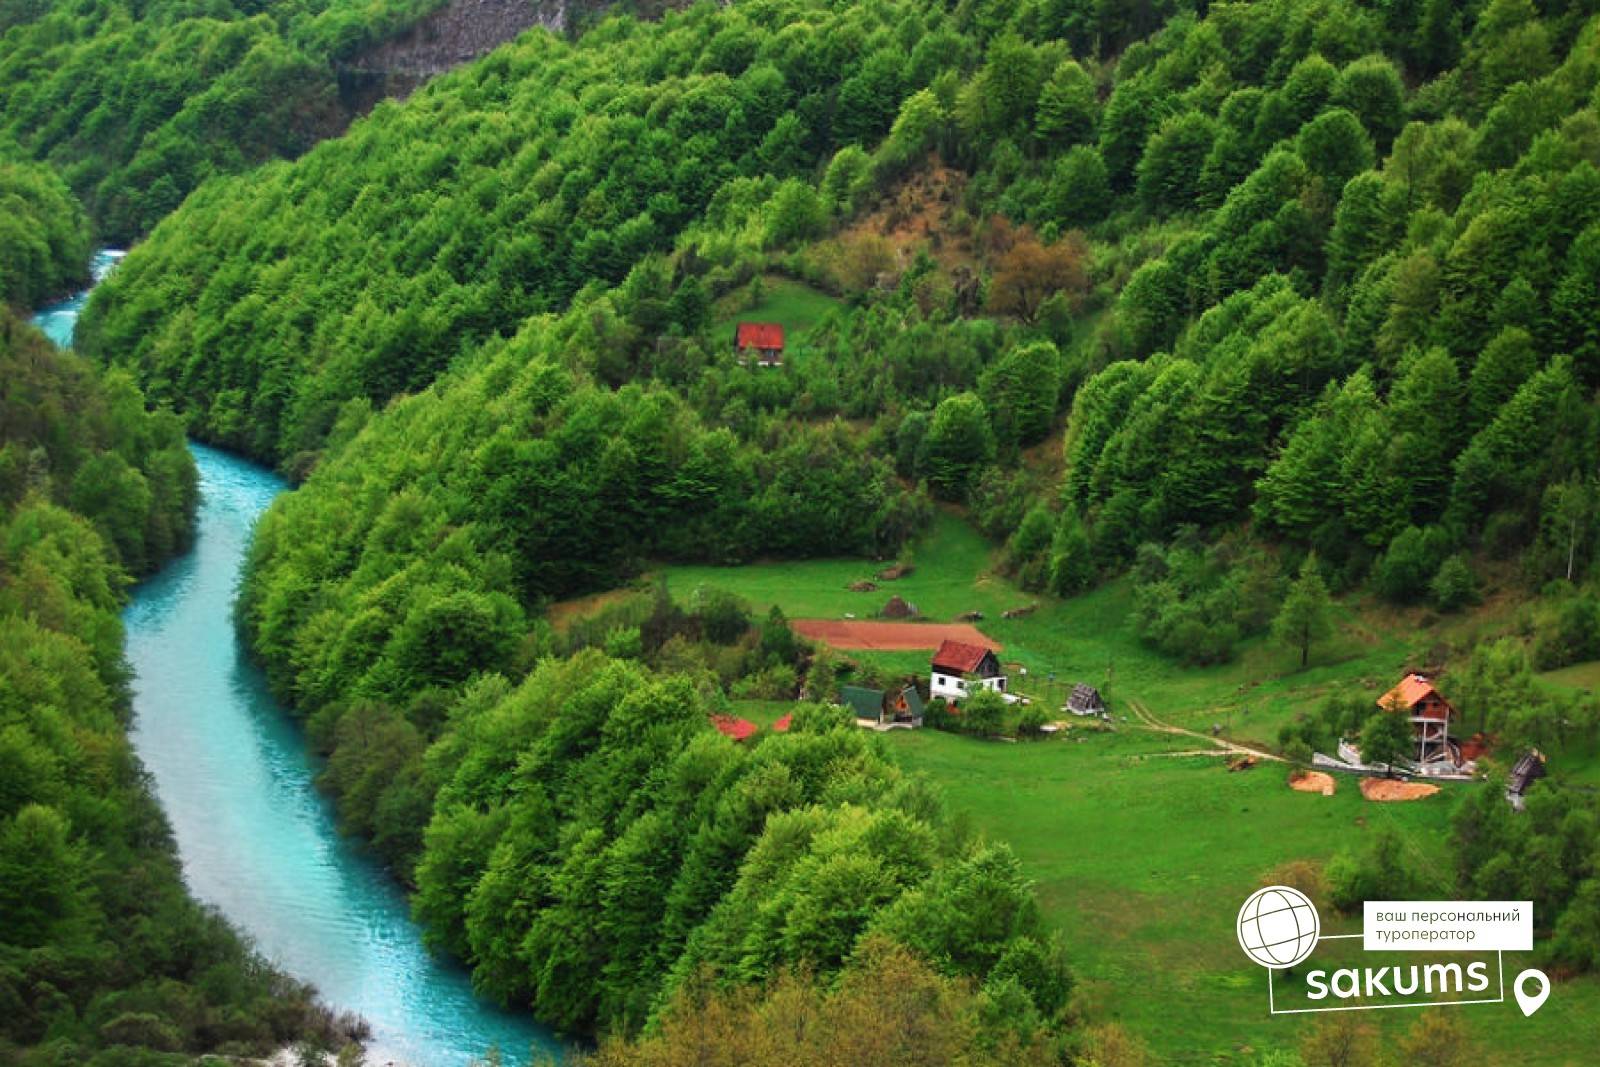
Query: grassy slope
x=796, y=305
x=1142, y=858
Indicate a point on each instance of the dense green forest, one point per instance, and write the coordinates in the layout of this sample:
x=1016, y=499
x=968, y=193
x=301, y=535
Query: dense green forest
x=44, y=237
x=104, y=958
x=137, y=104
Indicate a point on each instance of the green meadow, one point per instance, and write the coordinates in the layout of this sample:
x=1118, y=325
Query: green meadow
x=795, y=305
x=1089, y=638
x=1142, y=856
x=1142, y=859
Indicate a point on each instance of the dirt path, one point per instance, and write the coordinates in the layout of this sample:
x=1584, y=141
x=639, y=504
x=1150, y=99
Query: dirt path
x=1144, y=718
x=889, y=636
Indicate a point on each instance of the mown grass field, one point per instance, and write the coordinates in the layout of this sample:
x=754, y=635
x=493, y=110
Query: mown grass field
x=1141, y=857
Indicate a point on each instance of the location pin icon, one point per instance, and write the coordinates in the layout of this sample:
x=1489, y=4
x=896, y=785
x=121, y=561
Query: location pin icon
x=1531, y=1002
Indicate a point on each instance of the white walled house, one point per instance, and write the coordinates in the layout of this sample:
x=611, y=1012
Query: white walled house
x=959, y=668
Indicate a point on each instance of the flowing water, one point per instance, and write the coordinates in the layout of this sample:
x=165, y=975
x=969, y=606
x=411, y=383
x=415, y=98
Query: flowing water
x=256, y=838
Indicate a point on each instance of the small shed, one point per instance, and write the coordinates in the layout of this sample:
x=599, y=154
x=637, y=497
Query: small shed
x=763, y=340
x=902, y=706
x=1086, y=700
x=863, y=702
x=1529, y=769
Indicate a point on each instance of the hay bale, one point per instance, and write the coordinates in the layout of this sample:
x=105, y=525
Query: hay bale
x=862, y=586
x=898, y=608
x=899, y=570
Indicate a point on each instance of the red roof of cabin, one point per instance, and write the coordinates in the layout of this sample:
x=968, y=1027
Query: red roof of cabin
x=738, y=729
x=1412, y=690
x=958, y=657
x=759, y=335
x=783, y=724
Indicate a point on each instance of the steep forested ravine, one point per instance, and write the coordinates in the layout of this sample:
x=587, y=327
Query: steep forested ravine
x=237, y=784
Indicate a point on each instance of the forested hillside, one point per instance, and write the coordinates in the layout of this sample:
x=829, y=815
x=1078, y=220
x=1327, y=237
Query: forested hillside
x=136, y=104
x=44, y=237
x=1242, y=300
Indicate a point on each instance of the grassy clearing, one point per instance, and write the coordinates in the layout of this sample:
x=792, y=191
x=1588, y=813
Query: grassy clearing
x=1089, y=638
x=794, y=304
x=1142, y=857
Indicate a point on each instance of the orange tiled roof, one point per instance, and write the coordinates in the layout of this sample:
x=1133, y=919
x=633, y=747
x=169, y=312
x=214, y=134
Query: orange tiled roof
x=761, y=335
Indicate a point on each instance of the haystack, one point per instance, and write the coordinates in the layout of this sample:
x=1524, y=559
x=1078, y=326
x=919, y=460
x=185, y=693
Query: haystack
x=898, y=608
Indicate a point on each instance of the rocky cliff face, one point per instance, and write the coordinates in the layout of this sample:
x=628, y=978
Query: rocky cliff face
x=457, y=33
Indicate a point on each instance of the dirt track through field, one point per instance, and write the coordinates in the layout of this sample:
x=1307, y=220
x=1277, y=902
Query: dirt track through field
x=889, y=636
x=1143, y=717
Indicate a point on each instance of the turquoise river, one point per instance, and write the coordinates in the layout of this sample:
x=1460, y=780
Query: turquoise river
x=256, y=838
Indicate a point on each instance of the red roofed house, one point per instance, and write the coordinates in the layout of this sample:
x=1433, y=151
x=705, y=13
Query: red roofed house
x=1430, y=716
x=765, y=339
x=956, y=662
x=738, y=729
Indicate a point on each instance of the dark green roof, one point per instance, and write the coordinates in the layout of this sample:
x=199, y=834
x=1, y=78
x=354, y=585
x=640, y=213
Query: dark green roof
x=866, y=703
x=914, y=701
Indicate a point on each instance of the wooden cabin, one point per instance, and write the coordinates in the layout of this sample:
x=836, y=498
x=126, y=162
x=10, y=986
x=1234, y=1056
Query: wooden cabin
x=761, y=341
x=1431, y=715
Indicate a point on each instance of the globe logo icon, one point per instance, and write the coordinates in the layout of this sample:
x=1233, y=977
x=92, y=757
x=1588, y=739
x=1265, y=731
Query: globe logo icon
x=1278, y=926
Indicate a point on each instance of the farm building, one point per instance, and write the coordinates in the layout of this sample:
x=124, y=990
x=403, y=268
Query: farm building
x=1529, y=769
x=763, y=340
x=1086, y=700
x=955, y=662
x=1430, y=716
x=874, y=707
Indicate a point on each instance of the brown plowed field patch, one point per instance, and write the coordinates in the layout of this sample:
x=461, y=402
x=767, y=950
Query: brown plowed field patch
x=889, y=636
x=1390, y=789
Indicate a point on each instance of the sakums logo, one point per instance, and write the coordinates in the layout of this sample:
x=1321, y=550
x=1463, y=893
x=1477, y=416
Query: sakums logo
x=1279, y=928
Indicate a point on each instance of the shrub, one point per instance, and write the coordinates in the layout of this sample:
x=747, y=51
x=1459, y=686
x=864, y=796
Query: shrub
x=1032, y=721
x=1455, y=586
